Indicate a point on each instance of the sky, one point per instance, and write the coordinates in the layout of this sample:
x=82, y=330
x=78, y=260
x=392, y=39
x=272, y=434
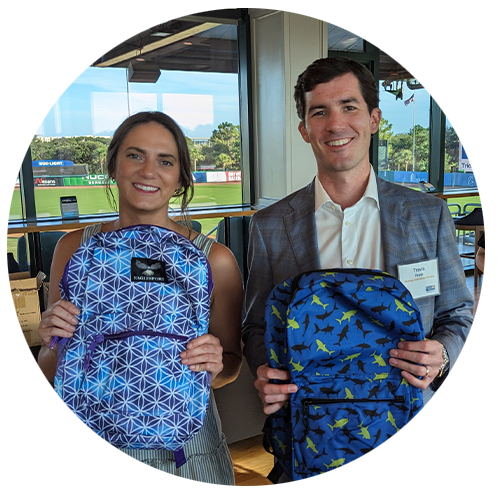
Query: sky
x=97, y=102
x=462, y=113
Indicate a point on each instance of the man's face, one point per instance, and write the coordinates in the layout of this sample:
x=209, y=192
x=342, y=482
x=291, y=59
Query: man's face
x=338, y=125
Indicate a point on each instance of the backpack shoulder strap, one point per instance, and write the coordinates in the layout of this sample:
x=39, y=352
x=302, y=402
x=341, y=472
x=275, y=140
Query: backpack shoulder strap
x=204, y=243
x=89, y=231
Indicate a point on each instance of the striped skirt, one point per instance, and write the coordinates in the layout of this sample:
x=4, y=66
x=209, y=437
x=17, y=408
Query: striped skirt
x=208, y=461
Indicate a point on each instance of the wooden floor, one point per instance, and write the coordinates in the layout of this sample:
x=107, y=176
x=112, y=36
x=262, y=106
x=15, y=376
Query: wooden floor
x=252, y=463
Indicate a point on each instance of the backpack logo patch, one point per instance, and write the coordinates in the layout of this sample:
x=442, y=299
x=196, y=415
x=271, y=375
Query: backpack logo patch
x=142, y=269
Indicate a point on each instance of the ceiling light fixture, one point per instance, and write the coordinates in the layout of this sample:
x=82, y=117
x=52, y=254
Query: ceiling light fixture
x=160, y=43
x=143, y=72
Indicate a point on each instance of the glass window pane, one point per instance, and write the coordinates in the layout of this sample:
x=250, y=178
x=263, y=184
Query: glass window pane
x=197, y=64
x=340, y=39
x=404, y=129
x=465, y=110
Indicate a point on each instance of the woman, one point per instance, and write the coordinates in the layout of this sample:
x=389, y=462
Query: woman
x=148, y=158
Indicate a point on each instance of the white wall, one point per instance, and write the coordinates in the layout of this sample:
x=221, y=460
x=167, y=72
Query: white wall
x=283, y=45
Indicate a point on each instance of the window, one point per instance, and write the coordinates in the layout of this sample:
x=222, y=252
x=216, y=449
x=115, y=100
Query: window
x=403, y=155
x=187, y=68
x=342, y=40
x=465, y=107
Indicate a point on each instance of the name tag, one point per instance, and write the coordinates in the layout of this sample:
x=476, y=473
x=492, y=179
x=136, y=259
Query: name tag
x=421, y=278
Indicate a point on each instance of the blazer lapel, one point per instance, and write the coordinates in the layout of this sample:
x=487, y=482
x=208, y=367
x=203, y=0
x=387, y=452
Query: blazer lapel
x=300, y=227
x=395, y=223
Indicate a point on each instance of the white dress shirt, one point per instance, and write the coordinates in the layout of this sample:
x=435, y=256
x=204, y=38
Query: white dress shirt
x=349, y=238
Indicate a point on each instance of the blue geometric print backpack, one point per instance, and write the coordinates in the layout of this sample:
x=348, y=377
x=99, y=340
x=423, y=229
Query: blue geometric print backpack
x=143, y=294
x=333, y=330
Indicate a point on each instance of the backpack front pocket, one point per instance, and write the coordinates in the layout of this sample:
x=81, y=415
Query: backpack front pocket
x=337, y=430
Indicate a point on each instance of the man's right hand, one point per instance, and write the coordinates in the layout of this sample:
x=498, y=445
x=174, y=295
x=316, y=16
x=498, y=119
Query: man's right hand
x=273, y=396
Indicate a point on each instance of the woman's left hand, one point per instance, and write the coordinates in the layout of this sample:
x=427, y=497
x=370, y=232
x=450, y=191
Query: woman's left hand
x=204, y=354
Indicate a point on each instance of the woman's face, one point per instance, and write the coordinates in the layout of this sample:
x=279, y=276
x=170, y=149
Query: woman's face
x=147, y=170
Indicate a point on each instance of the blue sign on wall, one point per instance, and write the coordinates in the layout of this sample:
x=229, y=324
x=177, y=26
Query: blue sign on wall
x=472, y=150
x=52, y=163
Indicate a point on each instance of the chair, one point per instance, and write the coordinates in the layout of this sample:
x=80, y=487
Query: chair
x=455, y=209
x=472, y=223
x=30, y=419
x=469, y=207
x=48, y=242
x=195, y=224
x=236, y=239
x=12, y=263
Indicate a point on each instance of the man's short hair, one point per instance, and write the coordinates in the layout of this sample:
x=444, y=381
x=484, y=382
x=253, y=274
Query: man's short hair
x=325, y=70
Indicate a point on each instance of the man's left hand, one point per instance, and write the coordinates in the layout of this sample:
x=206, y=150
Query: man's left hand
x=418, y=361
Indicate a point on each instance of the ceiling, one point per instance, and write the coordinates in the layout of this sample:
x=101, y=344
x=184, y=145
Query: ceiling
x=97, y=38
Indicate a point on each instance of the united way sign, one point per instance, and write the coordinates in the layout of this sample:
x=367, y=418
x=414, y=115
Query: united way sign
x=472, y=150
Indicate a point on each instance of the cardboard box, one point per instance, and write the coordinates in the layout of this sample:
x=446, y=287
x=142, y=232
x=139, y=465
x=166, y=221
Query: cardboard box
x=24, y=291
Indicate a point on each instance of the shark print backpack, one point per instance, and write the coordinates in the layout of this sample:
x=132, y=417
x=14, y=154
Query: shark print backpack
x=333, y=330
x=143, y=294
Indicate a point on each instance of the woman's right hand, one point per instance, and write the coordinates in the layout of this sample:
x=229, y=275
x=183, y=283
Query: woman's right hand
x=59, y=320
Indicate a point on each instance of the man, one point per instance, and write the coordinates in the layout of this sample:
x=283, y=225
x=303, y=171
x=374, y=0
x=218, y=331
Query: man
x=349, y=218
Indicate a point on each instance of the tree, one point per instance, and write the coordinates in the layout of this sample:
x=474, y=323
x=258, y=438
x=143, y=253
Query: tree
x=451, y=147
x=401, y=157
x=224, y=148
x=195, y=153
x=385, y=130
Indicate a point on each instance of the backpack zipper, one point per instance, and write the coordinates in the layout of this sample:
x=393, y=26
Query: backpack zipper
x=356, y=271
x=98, y=339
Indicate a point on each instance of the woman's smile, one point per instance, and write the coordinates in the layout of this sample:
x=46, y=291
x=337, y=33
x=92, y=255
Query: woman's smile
x=143, y=187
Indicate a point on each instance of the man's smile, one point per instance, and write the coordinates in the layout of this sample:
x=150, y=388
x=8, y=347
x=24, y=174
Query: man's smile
x=339, y=142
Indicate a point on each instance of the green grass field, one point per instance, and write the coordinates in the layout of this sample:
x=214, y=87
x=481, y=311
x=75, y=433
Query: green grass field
x=92, y=200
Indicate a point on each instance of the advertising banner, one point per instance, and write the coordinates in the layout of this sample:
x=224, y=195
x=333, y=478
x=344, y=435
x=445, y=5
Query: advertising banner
x=472, y=150
x=216, y=177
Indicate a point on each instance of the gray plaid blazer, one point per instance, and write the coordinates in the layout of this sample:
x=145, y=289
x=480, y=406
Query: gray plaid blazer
x=415, y=227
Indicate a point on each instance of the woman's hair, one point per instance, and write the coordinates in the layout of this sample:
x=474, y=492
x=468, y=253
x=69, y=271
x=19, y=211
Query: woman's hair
x=186, y=191
x=325, y=70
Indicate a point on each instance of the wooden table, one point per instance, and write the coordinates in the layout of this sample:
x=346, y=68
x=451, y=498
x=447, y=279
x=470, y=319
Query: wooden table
x=459, y=193
x=17, y=228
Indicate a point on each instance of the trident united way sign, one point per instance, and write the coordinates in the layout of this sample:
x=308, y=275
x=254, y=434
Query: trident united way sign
x=471, y=151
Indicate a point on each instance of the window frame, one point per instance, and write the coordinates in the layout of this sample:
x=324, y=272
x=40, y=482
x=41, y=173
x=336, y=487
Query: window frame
x=241, y=18
x=441, y=34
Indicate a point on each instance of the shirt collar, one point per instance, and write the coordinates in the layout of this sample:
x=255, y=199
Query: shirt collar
x=321, y=197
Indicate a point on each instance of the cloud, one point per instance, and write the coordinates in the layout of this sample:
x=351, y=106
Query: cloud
x=189, y=110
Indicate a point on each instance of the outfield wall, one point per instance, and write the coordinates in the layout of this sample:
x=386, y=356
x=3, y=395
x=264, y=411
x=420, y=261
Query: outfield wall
x=100, y=179
x=456, y=179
